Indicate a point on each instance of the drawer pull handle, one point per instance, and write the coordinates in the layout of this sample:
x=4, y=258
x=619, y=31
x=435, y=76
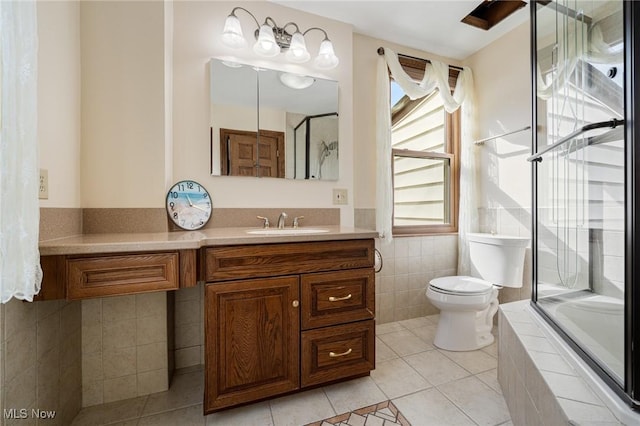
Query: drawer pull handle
x=337, y=299
x=345, y=353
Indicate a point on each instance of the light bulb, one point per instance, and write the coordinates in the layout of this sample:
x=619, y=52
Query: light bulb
x=266, y=44
x=326, y=58
x=232, y=33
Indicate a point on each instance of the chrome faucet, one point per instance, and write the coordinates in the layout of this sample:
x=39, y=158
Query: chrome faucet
x=281, y=220
x=265, y=224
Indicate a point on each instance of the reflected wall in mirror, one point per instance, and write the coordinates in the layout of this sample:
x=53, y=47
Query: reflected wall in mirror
x=297, y=116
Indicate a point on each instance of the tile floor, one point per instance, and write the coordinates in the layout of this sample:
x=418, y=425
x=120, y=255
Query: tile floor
x=429, y=386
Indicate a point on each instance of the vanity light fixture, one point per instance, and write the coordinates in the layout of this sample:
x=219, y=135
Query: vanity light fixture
x=271, y=39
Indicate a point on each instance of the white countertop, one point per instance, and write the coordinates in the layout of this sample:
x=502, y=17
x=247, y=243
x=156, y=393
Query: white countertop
x=181, y=240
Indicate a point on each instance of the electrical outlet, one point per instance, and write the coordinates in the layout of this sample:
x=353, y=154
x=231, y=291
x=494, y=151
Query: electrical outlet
x=43, y=191
x=340, y=196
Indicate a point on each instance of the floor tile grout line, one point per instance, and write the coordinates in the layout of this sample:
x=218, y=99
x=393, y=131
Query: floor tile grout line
x=458, y=407
x=335, y=412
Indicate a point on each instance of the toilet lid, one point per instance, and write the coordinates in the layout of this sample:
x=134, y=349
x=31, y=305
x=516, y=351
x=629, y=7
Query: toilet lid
x=461, y=285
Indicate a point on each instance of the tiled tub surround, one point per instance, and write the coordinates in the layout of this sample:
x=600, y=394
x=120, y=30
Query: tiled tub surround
x=544, y=382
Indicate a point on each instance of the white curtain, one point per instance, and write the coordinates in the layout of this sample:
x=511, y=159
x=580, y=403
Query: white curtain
x=436, y=76
x=468, y=210
x=384, y=195
x=20, y=273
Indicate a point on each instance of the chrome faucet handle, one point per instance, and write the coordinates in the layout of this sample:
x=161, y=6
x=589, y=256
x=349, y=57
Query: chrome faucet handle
x=265, y=225
x=296, y=219
x=281, y=220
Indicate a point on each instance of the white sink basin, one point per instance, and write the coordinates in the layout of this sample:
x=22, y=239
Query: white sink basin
x=287, y=231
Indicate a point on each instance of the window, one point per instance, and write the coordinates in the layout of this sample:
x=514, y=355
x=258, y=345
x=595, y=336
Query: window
x=425, y=141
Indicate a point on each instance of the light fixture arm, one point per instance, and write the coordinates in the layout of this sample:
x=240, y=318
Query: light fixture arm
x=326, y=37
x=233, y=12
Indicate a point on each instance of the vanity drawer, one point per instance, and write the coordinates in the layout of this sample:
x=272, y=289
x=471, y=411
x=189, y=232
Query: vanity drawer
x=333, y=353
x=331, y=298
x=109, y=275
x=262, y=260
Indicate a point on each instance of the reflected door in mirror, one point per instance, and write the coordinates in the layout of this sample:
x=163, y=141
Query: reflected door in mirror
x=239, y=153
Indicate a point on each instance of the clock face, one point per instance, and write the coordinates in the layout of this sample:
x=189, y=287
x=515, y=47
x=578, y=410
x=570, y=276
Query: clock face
x=189, y=205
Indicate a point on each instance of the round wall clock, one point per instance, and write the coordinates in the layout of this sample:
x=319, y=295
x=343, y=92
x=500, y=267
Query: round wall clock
x=189, y=205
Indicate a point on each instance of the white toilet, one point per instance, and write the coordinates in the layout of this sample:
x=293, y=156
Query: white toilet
x=467, y=304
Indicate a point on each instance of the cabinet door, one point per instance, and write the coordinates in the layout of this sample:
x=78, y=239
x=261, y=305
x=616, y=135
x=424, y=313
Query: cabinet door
x=252, y=340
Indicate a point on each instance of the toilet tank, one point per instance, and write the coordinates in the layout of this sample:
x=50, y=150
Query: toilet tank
x=498, y=259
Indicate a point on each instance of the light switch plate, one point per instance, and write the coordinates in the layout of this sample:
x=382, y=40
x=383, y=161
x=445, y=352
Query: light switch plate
x=43, y=191
x=340, y=196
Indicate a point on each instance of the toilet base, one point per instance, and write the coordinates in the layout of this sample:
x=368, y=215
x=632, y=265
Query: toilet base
x=462, y=331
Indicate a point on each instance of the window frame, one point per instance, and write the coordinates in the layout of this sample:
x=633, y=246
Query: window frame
x=415, y=69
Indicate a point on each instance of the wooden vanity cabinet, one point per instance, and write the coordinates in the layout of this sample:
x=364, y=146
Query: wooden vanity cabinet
x=282, y=317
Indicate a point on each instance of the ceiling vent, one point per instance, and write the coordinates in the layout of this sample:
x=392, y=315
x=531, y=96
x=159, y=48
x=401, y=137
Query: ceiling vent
x=492, y=12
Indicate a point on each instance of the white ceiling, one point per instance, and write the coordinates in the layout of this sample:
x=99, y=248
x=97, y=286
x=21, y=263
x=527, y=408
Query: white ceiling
x=433, y=25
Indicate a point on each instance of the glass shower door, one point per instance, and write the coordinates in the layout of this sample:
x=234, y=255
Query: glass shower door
x=580, y=176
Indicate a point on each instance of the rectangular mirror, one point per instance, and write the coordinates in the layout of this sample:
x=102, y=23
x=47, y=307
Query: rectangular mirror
x=297, y=115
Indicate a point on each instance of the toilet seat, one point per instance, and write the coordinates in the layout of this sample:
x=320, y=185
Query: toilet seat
x=461, y=285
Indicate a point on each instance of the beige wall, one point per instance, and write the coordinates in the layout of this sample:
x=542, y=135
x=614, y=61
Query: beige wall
x=59, y=100
x=123, y=105
x=503, y=91
x=196, y=29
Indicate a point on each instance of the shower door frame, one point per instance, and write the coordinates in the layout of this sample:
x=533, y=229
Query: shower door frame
x=629, y=391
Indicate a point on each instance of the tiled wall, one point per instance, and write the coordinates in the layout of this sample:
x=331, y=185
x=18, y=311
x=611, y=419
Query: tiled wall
x=124, y=347
x=40, y=360
x=189, y=326
x=409, y=263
